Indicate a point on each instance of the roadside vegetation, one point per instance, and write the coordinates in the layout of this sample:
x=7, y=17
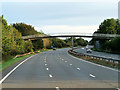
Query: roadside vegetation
x=108, y=26
x=12, y=60
x=13, y=44
x=95, y=60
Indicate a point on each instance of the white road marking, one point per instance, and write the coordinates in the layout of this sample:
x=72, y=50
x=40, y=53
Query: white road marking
x=50, y=75
x=45, y=64
x=65, y=61
x=70, y=64
x=93, y=63
x=62, y=59
x=118, y=88
x=57, y=88
x=47, y=68
x=14, y=69
x=78, y=68
x=92, y=75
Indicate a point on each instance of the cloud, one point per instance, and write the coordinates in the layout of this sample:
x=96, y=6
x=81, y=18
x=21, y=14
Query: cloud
x=50, y=29
x=66, y=29
x=108, y=1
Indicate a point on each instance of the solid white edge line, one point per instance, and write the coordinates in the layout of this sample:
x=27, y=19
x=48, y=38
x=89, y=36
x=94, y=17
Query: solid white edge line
x=50, y=75
x=92, y=75
x=14, y=69
x=57, y=88
x=93, y=63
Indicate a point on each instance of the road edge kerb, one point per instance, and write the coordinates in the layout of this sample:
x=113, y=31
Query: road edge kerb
x=92, y=62
x=13, y=68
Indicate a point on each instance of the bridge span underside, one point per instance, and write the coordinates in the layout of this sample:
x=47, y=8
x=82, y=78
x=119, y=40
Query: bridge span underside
x=32, y=37
x=45, y=38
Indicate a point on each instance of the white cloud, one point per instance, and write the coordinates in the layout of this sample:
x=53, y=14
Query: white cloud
x=108, y=1
x=67, y=29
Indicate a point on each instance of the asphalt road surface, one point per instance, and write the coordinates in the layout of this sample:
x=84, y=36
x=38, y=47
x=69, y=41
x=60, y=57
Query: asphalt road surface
x=57, y=69
x=101, y=54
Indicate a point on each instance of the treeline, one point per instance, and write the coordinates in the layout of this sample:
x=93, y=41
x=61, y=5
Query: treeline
x=25, y=30
x=59, y=43
x=109, y=26
x=13, y=44
x=77, y=41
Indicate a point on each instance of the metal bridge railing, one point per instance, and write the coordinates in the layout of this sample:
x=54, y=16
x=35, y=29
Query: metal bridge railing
x=72, y=34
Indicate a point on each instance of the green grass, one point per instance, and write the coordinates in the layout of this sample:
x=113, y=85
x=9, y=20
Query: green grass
x=97, y=61
x=11, y=61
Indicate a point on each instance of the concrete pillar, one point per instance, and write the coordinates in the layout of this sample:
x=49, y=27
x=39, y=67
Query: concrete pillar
x=45, y=42
x=72, y=43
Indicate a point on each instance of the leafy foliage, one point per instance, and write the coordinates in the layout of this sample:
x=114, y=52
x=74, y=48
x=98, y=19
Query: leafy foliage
x=26, y=29
x=29, y=30
x=12, y=42
x=109, y=26
x=58, y=43
x=77, y=42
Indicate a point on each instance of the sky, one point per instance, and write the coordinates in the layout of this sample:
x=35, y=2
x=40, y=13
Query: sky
x=60, y=16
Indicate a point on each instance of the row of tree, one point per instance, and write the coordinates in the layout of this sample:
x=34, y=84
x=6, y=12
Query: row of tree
x=13, y=44
x=77, y=41
x=59, y=43
x=109, y=26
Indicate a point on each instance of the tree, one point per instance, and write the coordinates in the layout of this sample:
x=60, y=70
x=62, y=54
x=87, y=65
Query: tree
x=28, y=46
x=12, y=42
x=37, y=44
x=26, y=29
x=109, y=26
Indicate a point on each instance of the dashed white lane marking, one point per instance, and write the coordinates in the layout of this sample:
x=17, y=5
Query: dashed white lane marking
x=62, y=59
x=15, y=68
x=93, y=63
x=47, y=68
x=65, y=61
x=45, y=64
x=50, y=75
x=92, y=75
x=57, y=88
x=78, y=68
x=70, y=64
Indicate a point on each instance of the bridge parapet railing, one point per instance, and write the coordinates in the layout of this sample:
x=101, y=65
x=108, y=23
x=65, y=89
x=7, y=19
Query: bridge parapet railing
x=33, y=36
x=106, y=35
x=72, y=34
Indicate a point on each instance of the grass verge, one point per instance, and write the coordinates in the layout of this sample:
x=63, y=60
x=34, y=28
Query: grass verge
x=97, y=61
x=11, y=61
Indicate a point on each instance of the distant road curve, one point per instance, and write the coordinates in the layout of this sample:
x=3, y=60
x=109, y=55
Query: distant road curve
x=100, y=54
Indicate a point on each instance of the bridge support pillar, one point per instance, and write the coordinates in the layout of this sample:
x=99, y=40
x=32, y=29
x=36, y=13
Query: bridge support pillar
x=45, y=42
x=72, y=43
